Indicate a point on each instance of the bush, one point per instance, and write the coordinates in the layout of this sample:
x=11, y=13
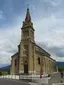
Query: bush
x=0, y=73
x=48, y=75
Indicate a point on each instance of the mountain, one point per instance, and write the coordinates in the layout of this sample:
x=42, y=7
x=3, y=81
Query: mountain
x=60, y=64
x=5, y=67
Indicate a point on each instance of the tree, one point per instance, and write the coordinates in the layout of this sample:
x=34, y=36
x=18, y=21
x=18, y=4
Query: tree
x=0, y=73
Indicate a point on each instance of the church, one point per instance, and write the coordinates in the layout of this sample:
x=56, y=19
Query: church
x=31, y=58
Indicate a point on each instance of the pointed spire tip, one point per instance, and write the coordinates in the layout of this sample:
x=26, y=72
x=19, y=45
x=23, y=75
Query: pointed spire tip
x=28, y=17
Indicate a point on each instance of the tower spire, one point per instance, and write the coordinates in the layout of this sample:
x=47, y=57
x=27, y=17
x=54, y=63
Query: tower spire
x=28, y=17
x=27, y=23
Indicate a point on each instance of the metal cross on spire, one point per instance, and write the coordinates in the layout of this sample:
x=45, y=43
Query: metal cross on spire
x=28, y=17
x=27, y=5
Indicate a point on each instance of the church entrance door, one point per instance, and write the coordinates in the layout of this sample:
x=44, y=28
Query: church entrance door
x=26, y=68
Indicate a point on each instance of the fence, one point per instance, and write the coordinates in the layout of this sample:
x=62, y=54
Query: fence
x=58, y=84
x=33, y=78
x=10, y=76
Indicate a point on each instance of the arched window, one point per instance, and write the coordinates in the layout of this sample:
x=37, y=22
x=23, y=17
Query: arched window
x=15, y=62
x=39, y=60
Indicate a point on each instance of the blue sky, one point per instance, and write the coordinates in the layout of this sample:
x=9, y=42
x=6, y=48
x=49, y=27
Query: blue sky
x=48, y=19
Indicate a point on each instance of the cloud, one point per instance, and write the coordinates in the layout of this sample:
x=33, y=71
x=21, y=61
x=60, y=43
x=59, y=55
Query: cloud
x=1, y=15
x=9, y=41
x=56, y=52
x=50, y=29
x=54, y=2
x=50, y=32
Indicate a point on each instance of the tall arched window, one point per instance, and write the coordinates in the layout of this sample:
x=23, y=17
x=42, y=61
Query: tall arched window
x=39, y=60
x=15, y=62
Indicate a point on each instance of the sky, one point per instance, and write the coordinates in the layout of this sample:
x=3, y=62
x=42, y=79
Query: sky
x=48, y=21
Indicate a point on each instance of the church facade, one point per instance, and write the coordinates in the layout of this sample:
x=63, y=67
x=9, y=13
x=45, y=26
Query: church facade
x=30, y=57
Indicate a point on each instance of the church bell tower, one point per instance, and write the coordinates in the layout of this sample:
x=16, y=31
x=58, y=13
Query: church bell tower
x=27, y=28
x=26, y=44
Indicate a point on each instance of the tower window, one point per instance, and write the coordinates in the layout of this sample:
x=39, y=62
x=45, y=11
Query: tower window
x=38, y=60
x=15, y=62
x=25, y=33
